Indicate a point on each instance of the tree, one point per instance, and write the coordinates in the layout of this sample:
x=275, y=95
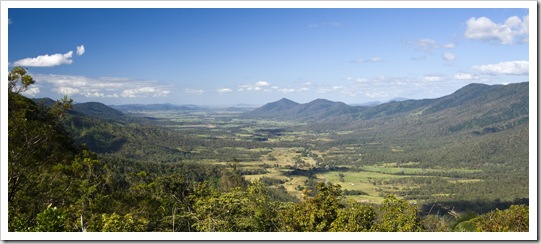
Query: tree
x=45, y=167
x=513, y=219
x=236, y=210
x=117, y=223
x=398, y=216
x=354, y=218
x=19, y=80
x=52, y=219
x=36, y=142
x=314, y=214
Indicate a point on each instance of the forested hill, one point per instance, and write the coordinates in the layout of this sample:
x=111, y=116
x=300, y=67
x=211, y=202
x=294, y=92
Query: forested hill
x=474, y=102
x=92, y=109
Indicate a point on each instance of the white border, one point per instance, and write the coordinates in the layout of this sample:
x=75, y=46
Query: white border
x=531, y=5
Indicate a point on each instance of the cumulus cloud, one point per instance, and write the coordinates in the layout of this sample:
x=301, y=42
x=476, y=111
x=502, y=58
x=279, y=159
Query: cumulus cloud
x=465, y=76
x=448, y=56
x=224, y=90
x=46, y=60
x=145, y=92
x=485, y=29
x=80, y=50
x=32, y=91
x=50, y=60
x=257, y=86
x=504, y=68
x=100, y=87
x=262, y=83
x=69, y=91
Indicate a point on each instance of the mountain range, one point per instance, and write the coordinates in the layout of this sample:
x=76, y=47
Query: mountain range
x=478, y=108
x=474, y=104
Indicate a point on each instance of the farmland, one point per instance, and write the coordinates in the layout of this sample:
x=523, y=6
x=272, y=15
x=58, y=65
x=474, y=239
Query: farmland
x=289, y=155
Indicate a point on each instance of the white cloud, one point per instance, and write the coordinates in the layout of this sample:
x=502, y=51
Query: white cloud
x=504, y=68
x=257, y=86
x=69, y=91
x=50, y=60
x=262, y=83
x=286, y=90
x=31, y=91
x=432, y=78
x=370, y=60
x=427, y=45
x=448, y=56
x=145, y=92
x=448, y=45
x=194, y=91
x=483, y=28
x=46, y=60
x=80, y=50
x=224, y=90
x=465, y=76
x=376, y=94
x=331, y=89
x=100, y=87
x=387, y=87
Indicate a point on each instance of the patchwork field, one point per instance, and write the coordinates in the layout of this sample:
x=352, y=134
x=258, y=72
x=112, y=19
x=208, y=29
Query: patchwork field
x=294, y=156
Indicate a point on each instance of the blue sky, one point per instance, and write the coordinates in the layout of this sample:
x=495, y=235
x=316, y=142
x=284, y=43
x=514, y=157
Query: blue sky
x=256, y=56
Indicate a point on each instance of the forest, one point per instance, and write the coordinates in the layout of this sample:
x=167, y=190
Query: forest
x=435, y=165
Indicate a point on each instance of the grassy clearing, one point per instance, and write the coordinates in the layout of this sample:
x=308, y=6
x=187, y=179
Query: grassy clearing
x=464, y=180
x=387, y=169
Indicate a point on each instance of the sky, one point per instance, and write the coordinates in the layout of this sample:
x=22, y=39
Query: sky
x=257, y=55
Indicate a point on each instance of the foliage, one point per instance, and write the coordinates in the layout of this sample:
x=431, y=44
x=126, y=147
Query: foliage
x=435, y=223
x=50, y=220
x=354, y=218
x=117, y=223
x=37, y=142
x=143, y=177
x=514, y=219
x=19, y=80
x=235, y=210
x=314, y=213
x=398, y=216
x=463, y=222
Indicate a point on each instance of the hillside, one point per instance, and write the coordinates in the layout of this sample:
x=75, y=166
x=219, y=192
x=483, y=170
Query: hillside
x=475, y=106
x=96, y=109
x=273, y=110
x=314, y=111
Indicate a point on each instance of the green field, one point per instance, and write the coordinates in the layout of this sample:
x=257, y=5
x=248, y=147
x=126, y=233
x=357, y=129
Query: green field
x=298, y=154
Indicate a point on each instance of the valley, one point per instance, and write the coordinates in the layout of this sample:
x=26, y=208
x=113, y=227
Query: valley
x=413, y=149
x=444, y=164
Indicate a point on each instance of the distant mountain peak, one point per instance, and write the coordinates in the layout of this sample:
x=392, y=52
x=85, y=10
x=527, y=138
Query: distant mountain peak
x=286, y=100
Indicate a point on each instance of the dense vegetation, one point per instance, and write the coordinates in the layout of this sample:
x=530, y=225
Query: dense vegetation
x=88, y=167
